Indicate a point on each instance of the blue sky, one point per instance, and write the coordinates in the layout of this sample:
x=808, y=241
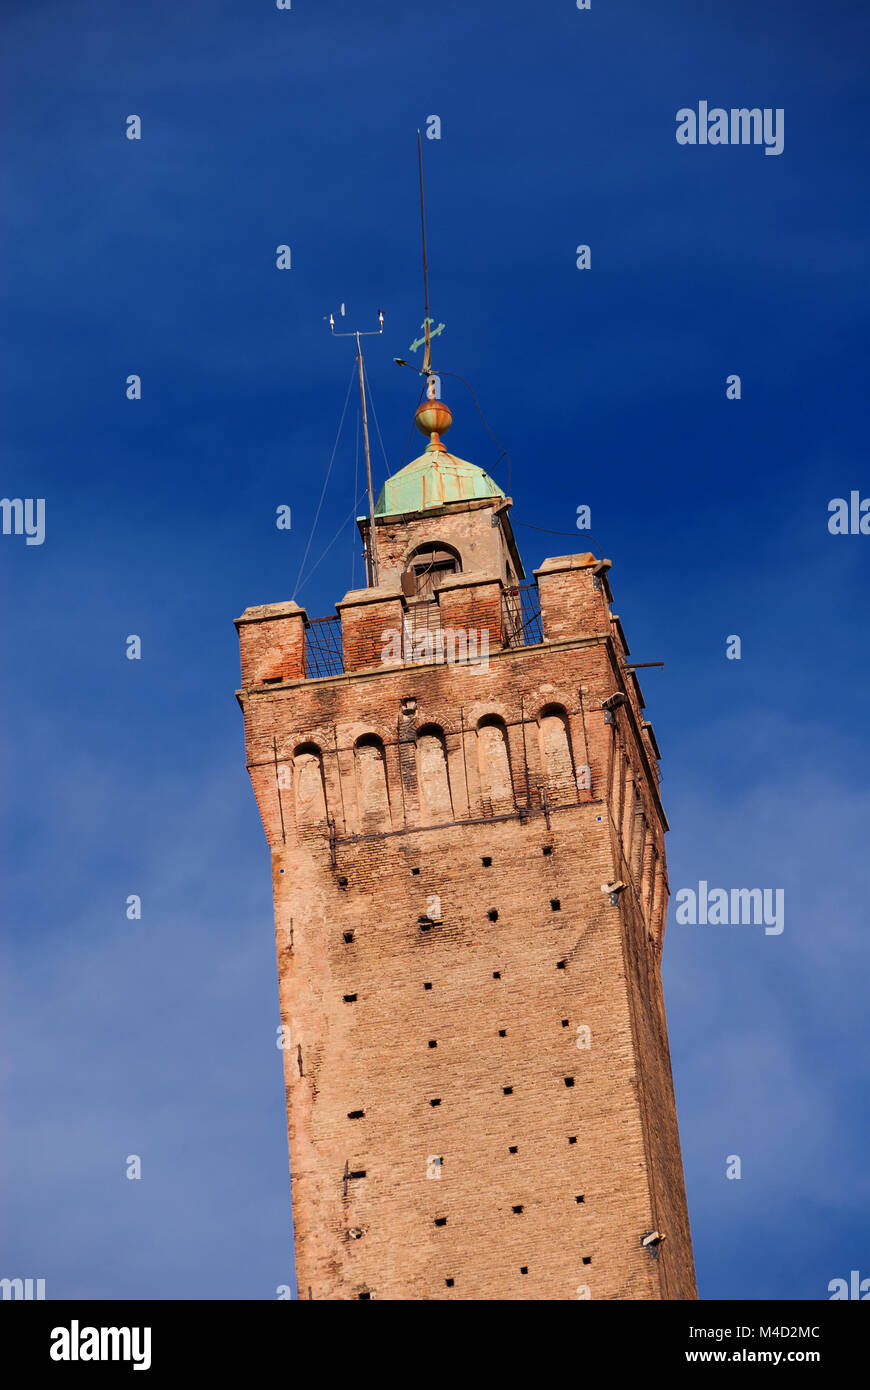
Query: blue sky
x=157, y=257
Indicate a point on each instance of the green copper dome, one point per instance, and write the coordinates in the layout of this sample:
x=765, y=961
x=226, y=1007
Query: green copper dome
x=432, y=480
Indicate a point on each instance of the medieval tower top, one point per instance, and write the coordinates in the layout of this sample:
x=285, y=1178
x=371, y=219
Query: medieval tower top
x=461, y=797
x=440, y=515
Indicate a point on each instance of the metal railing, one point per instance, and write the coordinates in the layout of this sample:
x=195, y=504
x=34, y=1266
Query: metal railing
x=521, y=621
x=424, y=616
x=522, y=616
x=324, y=655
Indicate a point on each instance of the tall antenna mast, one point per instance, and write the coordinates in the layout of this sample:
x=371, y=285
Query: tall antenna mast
x=428, y=335
x=371, y=548
x=427, y=351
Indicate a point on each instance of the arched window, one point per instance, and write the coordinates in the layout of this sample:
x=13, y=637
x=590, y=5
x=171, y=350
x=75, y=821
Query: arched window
x=658, y=895
x=427, y=567
x=371, y=782
x=432, y=775
x=651, y=864
x=639, y=850
x=308, y=788
x=556, y=759
x=493, y=762
x=629, y=815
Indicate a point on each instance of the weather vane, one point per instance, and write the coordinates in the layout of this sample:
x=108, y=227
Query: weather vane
x=433, y=333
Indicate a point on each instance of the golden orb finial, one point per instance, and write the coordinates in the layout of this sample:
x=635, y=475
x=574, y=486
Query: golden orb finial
x=434, y=418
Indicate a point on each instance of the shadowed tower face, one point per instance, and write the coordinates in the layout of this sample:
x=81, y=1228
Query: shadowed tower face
x=461, y=797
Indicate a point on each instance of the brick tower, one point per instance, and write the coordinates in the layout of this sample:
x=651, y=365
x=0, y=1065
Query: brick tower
x=461, y=798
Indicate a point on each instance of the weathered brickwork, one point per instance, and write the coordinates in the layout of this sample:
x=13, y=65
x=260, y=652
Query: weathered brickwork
x=483, y=547
x=479, y=1092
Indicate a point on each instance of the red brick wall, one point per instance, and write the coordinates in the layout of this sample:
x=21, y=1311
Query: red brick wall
x=473, y=608
x=272, y=643
x=363, y=628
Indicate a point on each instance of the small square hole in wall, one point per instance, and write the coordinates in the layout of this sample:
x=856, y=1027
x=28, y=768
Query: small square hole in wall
x=564, y=1023
x=348, y=936
x=524, y=1269
x=342, y=883
x=587, y=1259
x=572, y=1139
x=365, y=1294
x=440, y=1220
x=425, y=924
x=450, y=1283
x=432, y=1042
x=502, y=1032
x=555, y=905
x=359, y=1173
x=427, y=984
x=569, y=1081
x=437, y=1101
x=560, y=964
x=512, y=1149
x=578, y=1199
x=496, y=974
x=492, y=915
x=350, y=999
x=355, y=1114
x=507, y=1090
x=548, y=849
x=415, y=871
x=516, y=1210
x=486, y=862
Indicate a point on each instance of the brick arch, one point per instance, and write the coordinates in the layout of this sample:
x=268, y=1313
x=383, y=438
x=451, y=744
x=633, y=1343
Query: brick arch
x=432, y=542
x=309, y=788
x=554, y=737
x=444, y=558
x=494, y=764
x=491, y=721
x=433, y=777
x=372, y=786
